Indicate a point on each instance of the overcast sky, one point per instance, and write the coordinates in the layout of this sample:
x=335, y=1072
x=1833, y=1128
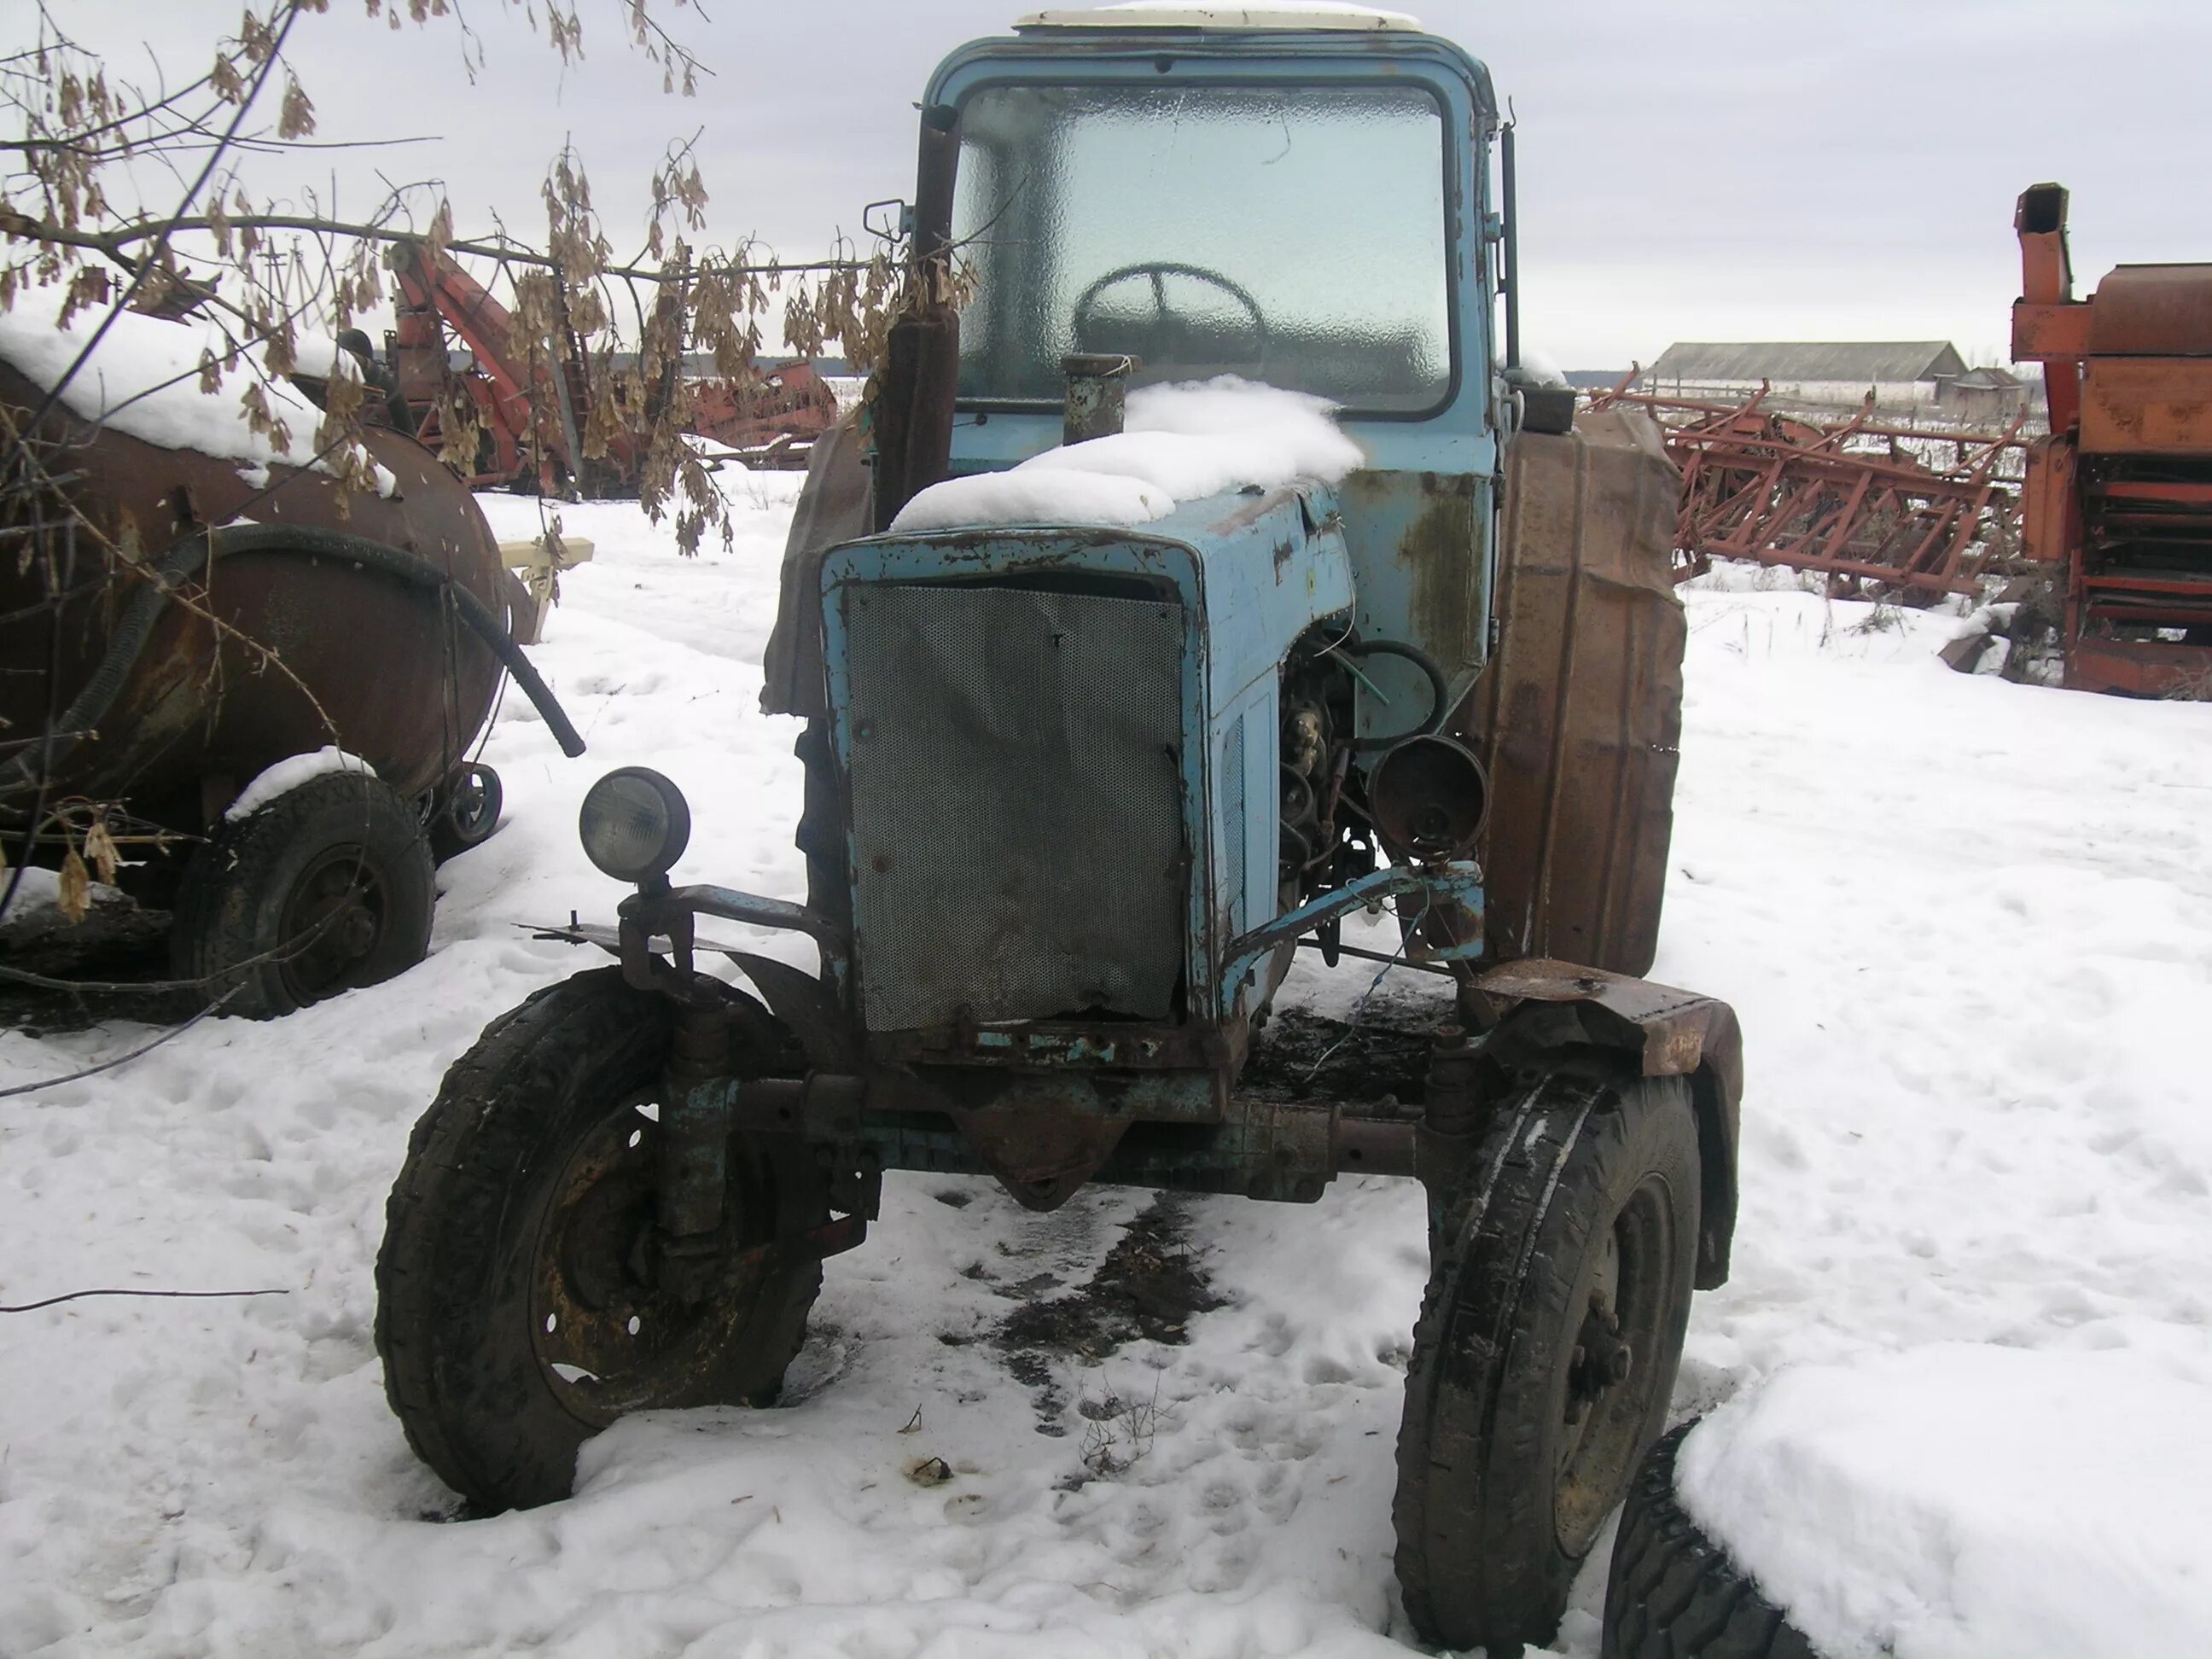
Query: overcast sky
x=1731, y=169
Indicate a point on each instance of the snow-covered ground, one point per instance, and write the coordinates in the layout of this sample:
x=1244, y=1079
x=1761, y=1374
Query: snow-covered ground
x=1967, y=924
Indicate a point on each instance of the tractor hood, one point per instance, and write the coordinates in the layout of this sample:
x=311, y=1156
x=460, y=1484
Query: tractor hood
x=1263, y=565
x=1049, y=736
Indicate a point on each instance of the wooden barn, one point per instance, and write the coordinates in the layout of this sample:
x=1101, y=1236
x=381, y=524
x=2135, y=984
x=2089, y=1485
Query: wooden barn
x=1901, y=373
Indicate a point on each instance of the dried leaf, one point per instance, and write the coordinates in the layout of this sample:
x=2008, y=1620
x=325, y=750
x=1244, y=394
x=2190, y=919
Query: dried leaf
x=76, y=900
x=100, y=848
x=296, y=118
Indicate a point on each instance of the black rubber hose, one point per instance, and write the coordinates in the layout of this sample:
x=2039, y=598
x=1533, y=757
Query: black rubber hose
x=183, y=560
x=1439, y=691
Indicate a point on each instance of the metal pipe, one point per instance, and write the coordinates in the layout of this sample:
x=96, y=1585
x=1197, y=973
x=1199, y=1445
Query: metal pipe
x=1366, y=955
x=1098, y=387
x=934, y=177
x=917, y=383
x=1369, y=1145
x=1510, y=278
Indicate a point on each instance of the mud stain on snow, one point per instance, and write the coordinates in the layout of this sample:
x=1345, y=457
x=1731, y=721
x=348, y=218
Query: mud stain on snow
x=1148, y=1288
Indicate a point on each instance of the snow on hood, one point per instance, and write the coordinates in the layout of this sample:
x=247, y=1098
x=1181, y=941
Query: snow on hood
x=143, y=381
x=1967, y=1498
x=1182, y=443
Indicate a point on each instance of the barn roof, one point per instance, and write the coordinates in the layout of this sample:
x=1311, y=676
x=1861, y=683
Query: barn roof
x=1871, y=361
x=1989, y=379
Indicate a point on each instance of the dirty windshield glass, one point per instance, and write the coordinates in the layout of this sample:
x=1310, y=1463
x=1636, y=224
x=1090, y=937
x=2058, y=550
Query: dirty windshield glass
x=1291, y=235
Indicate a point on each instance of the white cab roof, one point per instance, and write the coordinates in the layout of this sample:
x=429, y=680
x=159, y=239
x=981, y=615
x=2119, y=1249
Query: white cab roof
x=1175, y=15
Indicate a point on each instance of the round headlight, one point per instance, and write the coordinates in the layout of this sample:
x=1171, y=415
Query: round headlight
x=1428, y=794
x=635, y=824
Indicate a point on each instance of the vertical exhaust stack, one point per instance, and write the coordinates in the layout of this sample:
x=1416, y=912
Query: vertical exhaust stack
x=917, y=381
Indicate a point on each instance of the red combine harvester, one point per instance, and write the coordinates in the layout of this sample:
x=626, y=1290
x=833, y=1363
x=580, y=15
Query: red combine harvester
x=2119, y=494
x=769, y=421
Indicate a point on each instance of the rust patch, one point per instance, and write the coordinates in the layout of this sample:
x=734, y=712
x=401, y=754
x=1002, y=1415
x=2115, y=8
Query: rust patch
x=1439, y=553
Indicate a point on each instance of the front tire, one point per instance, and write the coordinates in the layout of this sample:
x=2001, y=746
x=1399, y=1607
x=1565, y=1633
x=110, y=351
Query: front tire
x=1546, y=1352
x=517, y=1311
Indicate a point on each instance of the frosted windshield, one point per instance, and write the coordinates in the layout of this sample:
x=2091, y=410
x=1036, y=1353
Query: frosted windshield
x=1294, y=235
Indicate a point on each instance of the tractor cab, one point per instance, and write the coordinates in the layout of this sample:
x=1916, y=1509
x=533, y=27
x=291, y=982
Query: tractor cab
x=1300, y=197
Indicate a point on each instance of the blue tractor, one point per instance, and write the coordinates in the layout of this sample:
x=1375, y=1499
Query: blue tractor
x=1077, y=792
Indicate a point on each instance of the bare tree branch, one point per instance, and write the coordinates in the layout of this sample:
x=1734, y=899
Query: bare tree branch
x=25, y=228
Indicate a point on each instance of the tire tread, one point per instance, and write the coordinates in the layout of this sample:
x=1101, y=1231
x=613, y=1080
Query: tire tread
x=1454, y=1513
x=1672, y=1593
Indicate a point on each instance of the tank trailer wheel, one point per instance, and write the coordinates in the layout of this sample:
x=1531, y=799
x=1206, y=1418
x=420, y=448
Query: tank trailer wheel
x=466, y=812
x=517, y=1311
x=327, y=889
x=1546, y=1352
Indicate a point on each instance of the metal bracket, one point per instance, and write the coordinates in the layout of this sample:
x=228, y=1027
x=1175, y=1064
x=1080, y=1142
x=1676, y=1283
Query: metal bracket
x=1458, y=883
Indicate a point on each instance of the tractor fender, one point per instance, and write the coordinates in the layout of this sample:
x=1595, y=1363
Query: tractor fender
x=1541, y=1006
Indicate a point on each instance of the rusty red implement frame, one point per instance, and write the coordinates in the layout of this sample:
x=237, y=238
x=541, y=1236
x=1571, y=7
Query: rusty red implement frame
x=769, y=418
x=1852, y=500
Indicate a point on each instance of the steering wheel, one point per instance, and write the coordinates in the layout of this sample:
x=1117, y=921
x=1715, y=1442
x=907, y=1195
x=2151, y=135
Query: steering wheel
x=1168, y=329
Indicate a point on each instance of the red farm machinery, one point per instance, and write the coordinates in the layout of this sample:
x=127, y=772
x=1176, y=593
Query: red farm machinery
x=768, y=418
x=1922, y=511
x=2103, y=522
x=2118, y=497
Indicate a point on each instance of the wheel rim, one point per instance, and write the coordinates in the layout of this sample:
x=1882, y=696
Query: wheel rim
x=1614, y=1362
x=471, y=810
x=334, y=920
x=608, y=1340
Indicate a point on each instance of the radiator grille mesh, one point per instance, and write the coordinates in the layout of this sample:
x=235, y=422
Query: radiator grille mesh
x=1017, y=828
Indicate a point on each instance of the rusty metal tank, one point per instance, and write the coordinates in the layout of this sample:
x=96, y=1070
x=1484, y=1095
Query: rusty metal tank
x=173, y=624
x=264, y=652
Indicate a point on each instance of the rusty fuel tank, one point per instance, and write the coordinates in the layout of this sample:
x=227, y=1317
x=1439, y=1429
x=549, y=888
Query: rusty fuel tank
x=265, y=652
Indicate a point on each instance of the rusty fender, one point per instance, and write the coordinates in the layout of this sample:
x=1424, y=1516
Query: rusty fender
x=1543, y=1006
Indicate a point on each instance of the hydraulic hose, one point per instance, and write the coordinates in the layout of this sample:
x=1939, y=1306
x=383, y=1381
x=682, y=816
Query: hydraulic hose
x=1439, y=689
x=183, y=560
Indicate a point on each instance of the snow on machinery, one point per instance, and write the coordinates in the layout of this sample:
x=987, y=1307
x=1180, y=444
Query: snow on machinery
x=1077, y=792
x=194, y=616
x=2119, y=494
x=533, y=413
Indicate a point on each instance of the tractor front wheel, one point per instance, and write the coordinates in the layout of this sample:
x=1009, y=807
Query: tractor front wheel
x=1559, y=1289
x=520, y=1308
